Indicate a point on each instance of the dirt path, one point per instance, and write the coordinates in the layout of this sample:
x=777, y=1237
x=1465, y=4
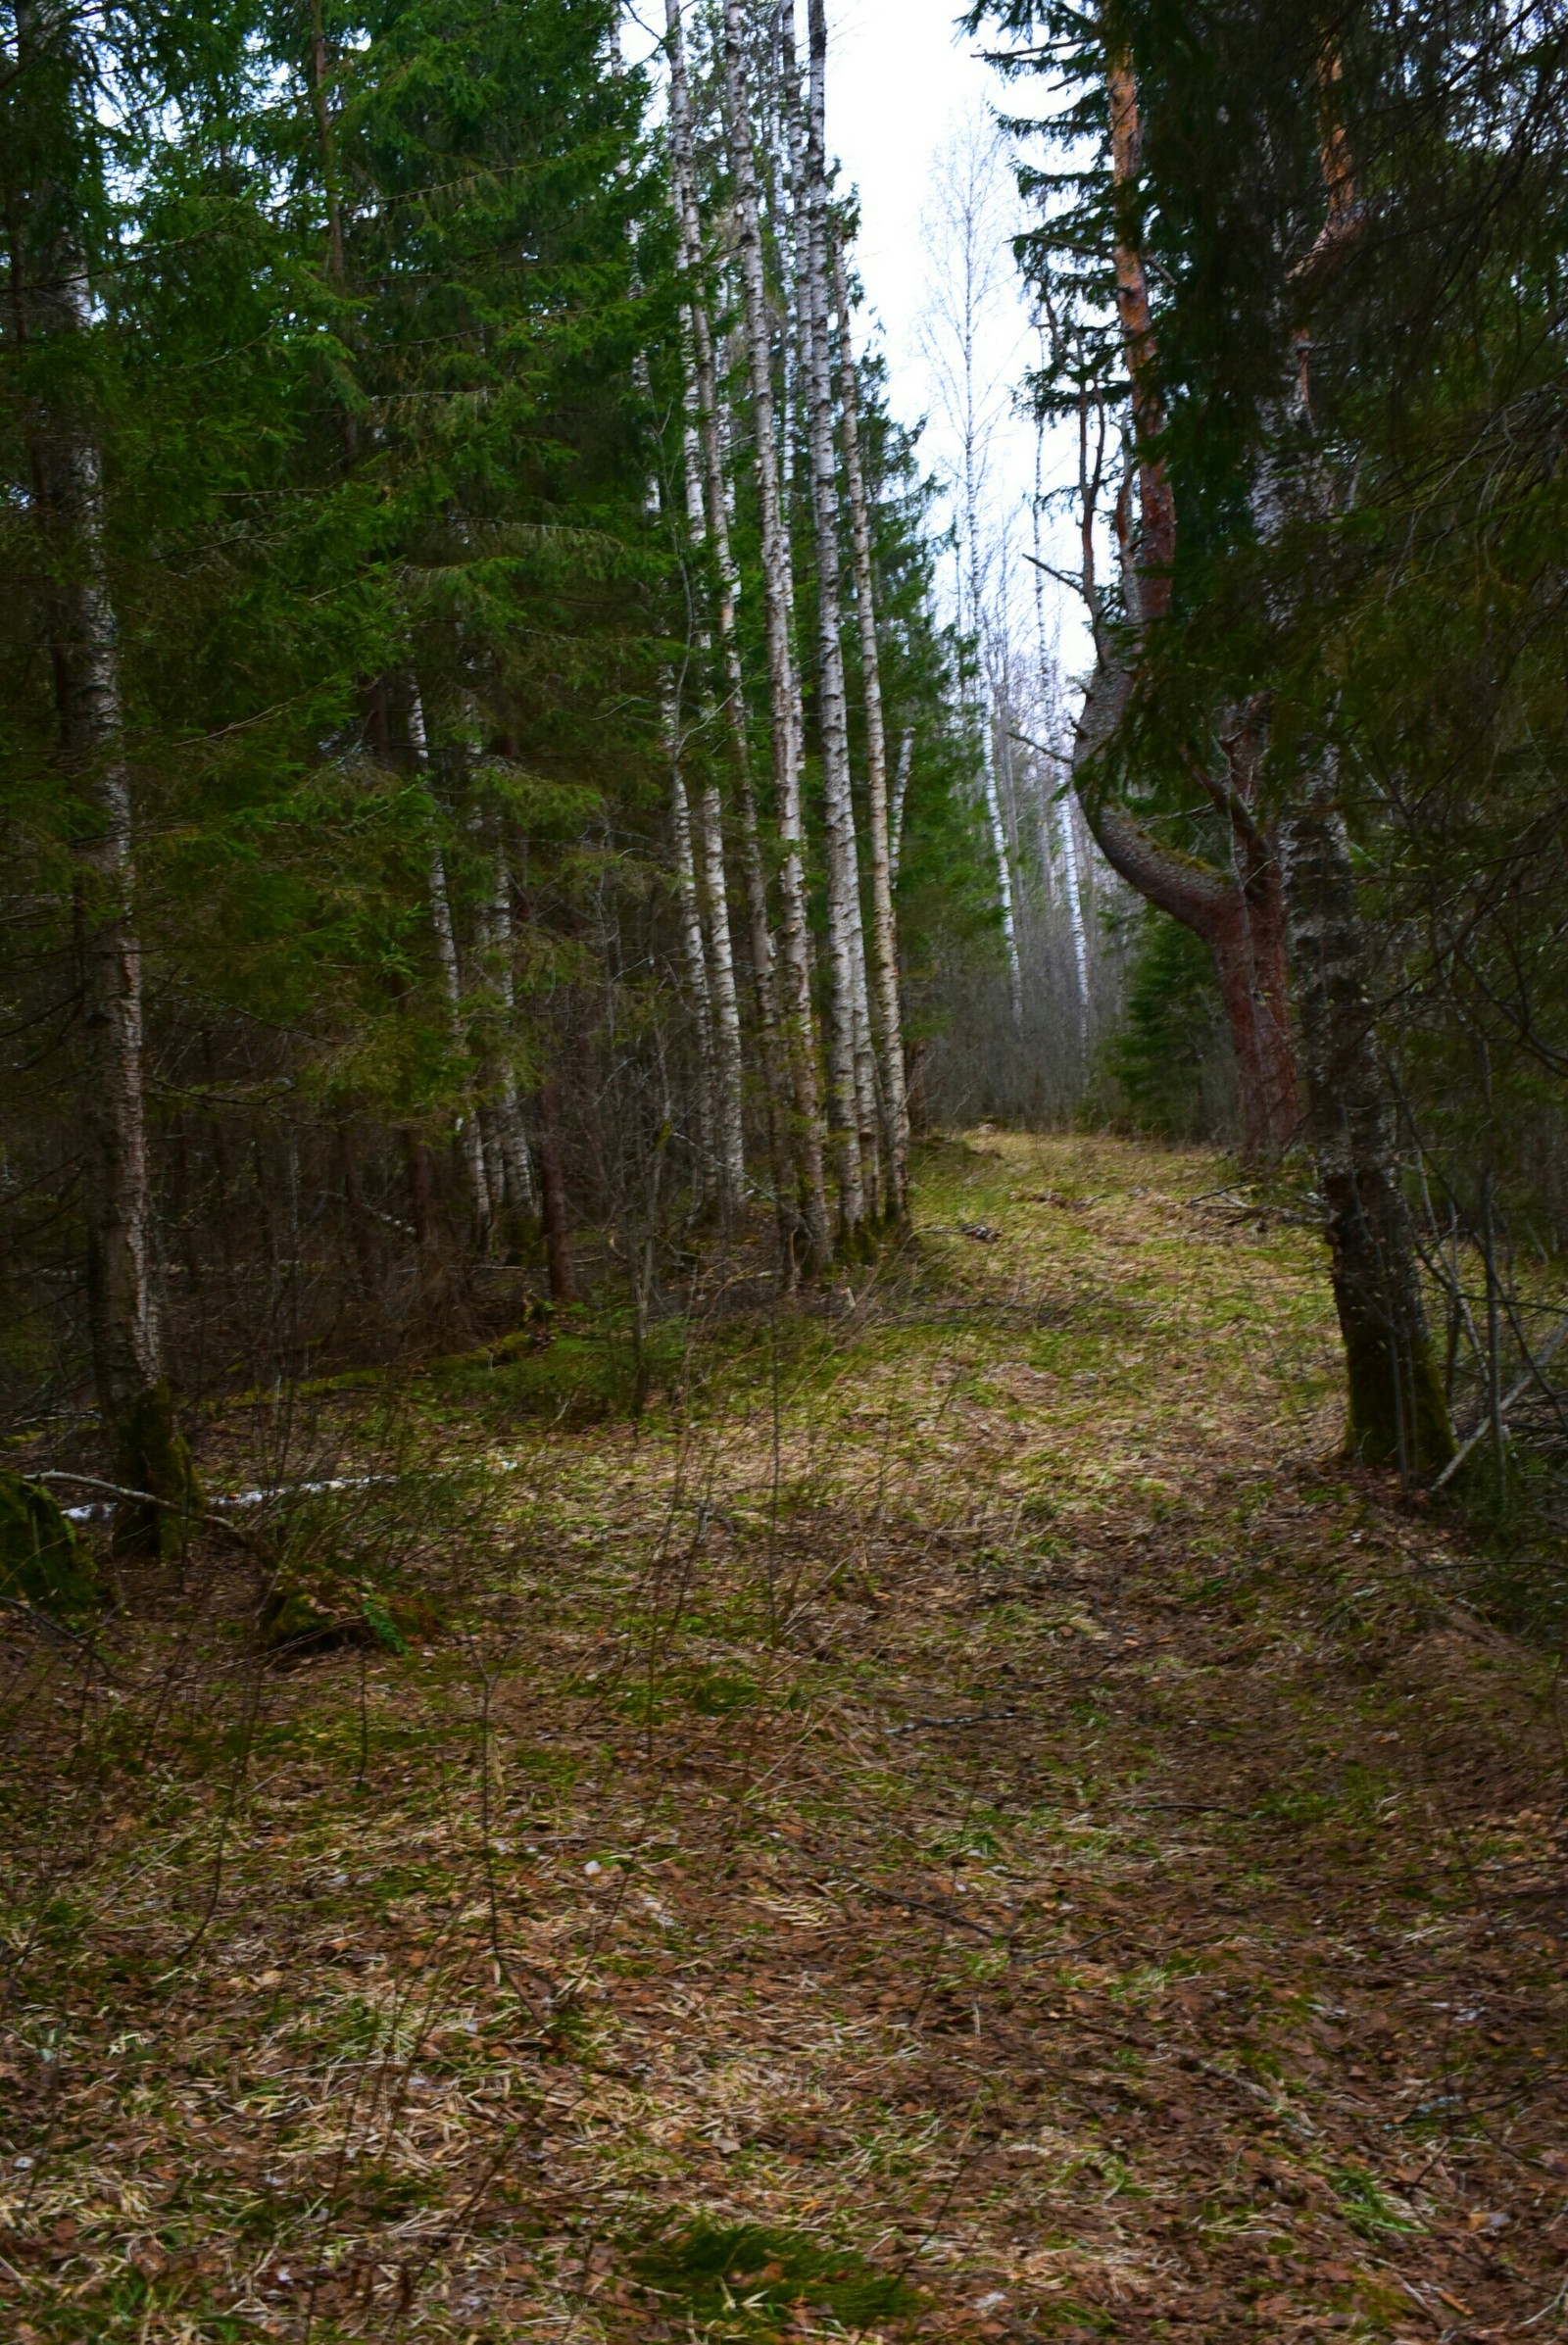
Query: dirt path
x=970, y=1828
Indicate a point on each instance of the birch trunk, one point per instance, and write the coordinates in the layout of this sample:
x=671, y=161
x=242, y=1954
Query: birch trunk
x=725, y=1024
x=51, y=300
x=795, y=954
x=683, y=179
x=901, y=792
x=471, y=1136
x=691, y=917
x=844, y=948
x=884, y=924
x=999, y=844
x=1069, y=843
x=507, y=1167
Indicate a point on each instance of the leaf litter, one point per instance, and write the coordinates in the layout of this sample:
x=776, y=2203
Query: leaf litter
x=964, y=1823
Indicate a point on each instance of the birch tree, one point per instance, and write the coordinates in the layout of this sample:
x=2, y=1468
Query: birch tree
x=47, y=176
x=777, y=598
x=845, y=937
x=726, y=582
x=895, y=1093
x=971, y=238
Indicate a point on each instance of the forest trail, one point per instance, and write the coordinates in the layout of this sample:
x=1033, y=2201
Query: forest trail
x=971, y=1828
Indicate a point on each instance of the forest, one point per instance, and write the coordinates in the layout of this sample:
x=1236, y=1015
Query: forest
x=784, y=1510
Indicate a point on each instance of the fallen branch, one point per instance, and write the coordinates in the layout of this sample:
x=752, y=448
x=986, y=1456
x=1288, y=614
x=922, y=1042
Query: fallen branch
x=1510, y=1398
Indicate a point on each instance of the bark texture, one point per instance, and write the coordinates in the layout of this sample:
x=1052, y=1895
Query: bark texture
x=51, y=303
x=884, y=924
x=1398, y=1412
x=471, y=1132
x=777, y=598
x=849, y=1009
x=725, y=594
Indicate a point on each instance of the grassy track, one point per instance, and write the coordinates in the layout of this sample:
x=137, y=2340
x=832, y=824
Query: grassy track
x=963, y=1823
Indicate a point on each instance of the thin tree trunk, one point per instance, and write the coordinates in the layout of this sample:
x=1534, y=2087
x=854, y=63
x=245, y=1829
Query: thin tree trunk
x=50, y=302
x=998, y=845
x=690, y=919
x=517, y=1166
x=884, y=922
x=848, y=987
x=421, y=1196
x=470, y=1137
x=684, y=180
x=796, y=953
x=1397, y=1409
x=901, y=792
x=1069, y=843
x=552, y=1191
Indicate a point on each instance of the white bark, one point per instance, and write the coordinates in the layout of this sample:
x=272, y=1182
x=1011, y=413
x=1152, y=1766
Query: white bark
x=846, y=953
x=715, y=486
x=728, y=1068
x=517, y=1157
x=470, y=1133
x=1047, y=695
x=780, y=663
x=998, y=842
x=884, y=924
x=690, y=919
x=51, y=294
x=901, y=792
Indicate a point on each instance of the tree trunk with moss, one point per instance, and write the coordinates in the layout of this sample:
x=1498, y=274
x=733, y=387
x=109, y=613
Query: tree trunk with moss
x=1398, y=1414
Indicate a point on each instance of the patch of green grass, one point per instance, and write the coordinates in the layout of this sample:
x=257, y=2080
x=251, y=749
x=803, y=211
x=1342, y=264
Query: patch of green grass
x=710, y=1692
x=1366, y=2207
x=746, y=2280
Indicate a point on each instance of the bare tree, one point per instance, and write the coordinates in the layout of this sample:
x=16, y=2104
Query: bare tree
x=969, y=232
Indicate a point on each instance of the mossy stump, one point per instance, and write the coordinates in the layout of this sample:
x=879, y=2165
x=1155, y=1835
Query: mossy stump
x=152, y=1457
x=42, y=1561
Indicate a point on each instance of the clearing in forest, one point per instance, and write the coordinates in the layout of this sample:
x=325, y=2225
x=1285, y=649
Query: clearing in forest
x=962, y=1822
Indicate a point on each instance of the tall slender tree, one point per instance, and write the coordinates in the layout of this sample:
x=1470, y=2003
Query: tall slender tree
x=777, y=597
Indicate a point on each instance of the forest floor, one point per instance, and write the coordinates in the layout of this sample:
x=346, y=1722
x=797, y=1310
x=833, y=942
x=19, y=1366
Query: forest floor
x=965, y=1822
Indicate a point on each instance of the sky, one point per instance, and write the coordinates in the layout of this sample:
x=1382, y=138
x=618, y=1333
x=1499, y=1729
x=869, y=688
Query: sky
x=902, y=89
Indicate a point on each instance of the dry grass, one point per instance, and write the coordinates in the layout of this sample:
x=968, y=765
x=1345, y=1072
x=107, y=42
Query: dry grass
x=966, y=1825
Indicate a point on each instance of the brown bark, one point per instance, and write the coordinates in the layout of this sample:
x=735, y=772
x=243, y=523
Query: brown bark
x=552, y=1196
x=421, y=1190
x=1241, y=920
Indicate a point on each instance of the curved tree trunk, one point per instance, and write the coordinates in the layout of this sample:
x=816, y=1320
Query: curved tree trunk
x=1238, y=914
